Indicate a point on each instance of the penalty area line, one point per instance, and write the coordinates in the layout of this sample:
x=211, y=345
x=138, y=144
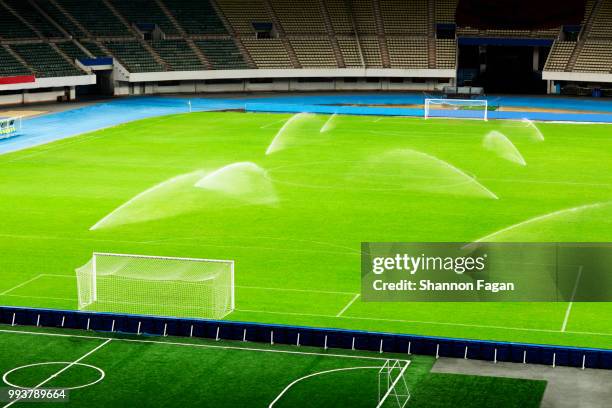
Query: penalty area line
x=345, y=308
x=571, y=303
x=6, y=292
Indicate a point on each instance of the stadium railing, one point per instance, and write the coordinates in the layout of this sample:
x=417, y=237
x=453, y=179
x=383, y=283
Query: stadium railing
x=309, y=336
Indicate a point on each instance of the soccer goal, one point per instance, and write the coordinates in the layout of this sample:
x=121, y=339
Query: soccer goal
x=9, y=127
x=393, y=388
x=457, y=108
x=157, y=286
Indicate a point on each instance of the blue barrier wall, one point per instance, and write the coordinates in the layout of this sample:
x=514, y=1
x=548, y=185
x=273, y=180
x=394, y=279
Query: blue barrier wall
x=310, y=336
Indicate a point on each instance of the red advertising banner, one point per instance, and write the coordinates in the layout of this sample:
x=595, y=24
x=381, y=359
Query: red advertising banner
x=21, y=79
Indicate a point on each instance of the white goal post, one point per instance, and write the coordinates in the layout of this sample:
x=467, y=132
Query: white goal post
x=456, y=108
x=393, y=390
x=157, y=286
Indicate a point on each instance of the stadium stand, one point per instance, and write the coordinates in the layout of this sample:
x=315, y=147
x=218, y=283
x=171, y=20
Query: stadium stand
x=34, y=18
x=404, y=17
x=307, y=18
x=242, y=18
x=178, y=55
x=72, y=50
x=12, y=27
x=96, y=18
x=45, y=60
x=445, y=11
x=559, y=55
x=133, y=56
x=94, y=48
x=55, y=13
x=145, y=12
x=351, y=52
x=222, y=54
x=201, y=35
x=196, y=16
x=11, y=66
x=446, y=54
x=340, y=17
x=268, y=52
x=314, y=51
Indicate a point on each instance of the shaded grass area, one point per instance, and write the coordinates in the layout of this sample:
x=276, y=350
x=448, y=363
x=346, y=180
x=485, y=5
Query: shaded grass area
x=162, y=372
x=297, y=261
x=454, y=390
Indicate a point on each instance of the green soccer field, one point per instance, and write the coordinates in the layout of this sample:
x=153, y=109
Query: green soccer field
x=159, y=372
x=201, y=185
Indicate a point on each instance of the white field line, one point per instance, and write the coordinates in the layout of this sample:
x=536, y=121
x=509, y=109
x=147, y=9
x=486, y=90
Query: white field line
x=345, y=308
x=479, y=326
x=326, y=292
x=41, y=297
x=58, y=373
x=196, y=345
x=284, y=391
x=6, y=292
x=569, y=306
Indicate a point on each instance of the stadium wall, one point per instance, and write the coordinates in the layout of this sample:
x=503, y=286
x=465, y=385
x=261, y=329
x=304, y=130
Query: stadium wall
x=279, y=85
x=309, y=336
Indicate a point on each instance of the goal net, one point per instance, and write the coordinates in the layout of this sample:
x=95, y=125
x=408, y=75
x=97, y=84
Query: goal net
x=9, y=127
x=393, y=388
x=158, y=286
x=456, y=108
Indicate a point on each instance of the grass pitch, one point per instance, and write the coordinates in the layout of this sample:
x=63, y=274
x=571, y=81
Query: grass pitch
x=326, y=185
x=153, y=372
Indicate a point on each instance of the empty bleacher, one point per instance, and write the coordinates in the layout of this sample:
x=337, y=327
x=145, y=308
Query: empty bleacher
x=242, y=18
x=72, y=50
x=350, y=51
x=178, y=55
x=97, y=18
x=222, y=54
x=10, y=65
x=12, y=28
x=94, y=48
x=59, y=17
x=559, y=55
x=602, y=22
x=45, y=60
x=371, y=51
x=446, y=54
x=133, y=56
x=445, y=11
x=314, y=52
x=307, y=18
x=34, y=18
x=407, y=52
x=196, y=16
x=596, y=56
x=404, y=17
x=363, y=13
x=339, y=16
x=145, y=12
x=268, y=53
